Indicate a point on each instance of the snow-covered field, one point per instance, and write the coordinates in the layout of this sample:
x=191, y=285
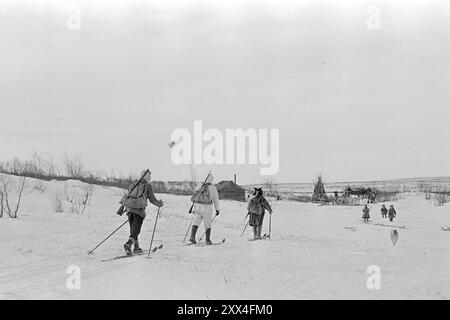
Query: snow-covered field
x=313, y=253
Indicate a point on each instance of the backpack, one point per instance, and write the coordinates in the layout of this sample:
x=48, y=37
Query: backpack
x=255, y=206
x=202, y=195
x=137, y=199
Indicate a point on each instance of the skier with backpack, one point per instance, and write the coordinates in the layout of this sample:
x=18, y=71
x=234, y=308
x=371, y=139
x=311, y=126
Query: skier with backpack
x=256, y=209
x=203, y=199
x=134, y=204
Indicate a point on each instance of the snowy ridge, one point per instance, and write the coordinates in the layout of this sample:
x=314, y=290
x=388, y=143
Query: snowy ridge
x=314, y=252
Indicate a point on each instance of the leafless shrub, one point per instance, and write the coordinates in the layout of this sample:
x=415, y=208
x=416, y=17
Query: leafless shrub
x=58, y=202
x=79, y=197
x=88, y=191
x=76, y=206
x=441, y=196
x=68, y=196
x=51, y=167
x=74, y=166
x=426, y=189
x=9, y=188
x=39, y=186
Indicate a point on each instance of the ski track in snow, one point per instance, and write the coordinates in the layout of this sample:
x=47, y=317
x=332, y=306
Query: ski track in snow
x=315, y=252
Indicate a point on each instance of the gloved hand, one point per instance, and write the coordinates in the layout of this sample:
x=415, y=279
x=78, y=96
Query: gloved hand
x=217, y=212
x=161, y=203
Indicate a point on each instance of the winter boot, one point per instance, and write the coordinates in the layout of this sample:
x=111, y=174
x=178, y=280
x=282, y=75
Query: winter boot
x=259, y=231
x=127, y=246
x=255, y=232
x=208, y=236
x=137, y=249
x=193, y=232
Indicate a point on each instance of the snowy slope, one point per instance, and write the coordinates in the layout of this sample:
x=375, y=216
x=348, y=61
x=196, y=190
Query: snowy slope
x=312, y=254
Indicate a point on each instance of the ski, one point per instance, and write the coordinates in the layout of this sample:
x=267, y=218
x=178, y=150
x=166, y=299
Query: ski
x=204, y=243
x=135, y=254
x=387, y=225
x=265, y=236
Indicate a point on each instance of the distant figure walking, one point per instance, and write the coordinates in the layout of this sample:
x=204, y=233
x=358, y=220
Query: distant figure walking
x=384, y=211
x=392, y=213
x=257, y=208
x=204, y=197
x=366, y=215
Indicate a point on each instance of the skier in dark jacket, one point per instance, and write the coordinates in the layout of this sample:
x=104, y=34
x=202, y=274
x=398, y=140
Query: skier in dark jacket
x=391, y=213
x=384, y=211
x=256, y=209
x=135, y=205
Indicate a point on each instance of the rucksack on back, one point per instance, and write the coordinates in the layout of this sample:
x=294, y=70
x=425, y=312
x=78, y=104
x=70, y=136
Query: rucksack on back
x=137, y=199
x=255, y=206
x=202, y=195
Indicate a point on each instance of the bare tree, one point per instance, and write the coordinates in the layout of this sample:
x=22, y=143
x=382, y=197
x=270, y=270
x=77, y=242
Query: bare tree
x=15, y=166
x=20, y=189
x=8, y=186
x=51, y=167
x=37, y=163
x=74, y=166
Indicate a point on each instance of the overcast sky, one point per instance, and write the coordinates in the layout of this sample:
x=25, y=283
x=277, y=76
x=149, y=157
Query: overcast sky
x=351, y=102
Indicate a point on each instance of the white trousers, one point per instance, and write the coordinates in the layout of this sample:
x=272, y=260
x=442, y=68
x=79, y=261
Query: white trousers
x=202, y=212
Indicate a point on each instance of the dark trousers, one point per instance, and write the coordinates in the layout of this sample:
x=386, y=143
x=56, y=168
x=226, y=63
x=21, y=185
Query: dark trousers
x=135, y=221
x=256, y=219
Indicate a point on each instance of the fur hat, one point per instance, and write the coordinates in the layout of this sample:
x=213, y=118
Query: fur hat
x=258, y=192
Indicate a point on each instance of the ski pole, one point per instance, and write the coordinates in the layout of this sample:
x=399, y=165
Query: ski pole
x=211, y=224
x=91, y=251
x=270, y=225
x=245, y=228
x=153, y=234
x=187, y=232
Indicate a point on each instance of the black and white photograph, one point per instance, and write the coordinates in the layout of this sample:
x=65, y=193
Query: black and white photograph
x=224, y=150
